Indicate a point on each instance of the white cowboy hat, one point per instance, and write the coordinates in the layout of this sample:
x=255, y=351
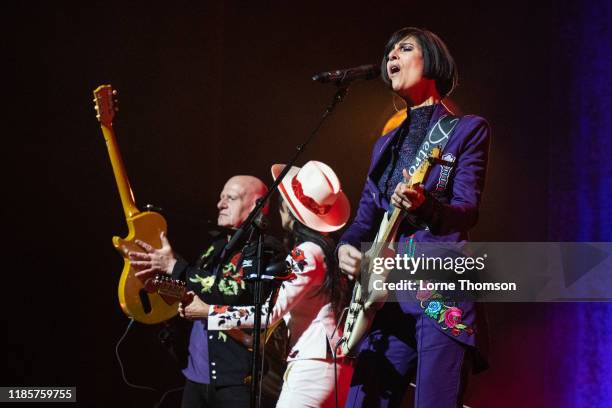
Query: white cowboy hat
x=314, y=196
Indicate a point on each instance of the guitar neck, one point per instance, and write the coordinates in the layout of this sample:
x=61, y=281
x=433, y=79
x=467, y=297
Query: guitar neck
x=123, y=184
x=389, y=228
x=176, y=291
x=395, y=219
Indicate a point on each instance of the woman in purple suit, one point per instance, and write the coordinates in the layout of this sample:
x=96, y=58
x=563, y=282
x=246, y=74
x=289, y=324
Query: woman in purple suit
x=437, y=339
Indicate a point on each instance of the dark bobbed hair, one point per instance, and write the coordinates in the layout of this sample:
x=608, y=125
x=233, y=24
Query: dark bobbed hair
x=438, y=63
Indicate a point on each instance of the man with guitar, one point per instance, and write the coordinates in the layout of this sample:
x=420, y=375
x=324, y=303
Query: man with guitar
x=218, y=364
x=435, y=338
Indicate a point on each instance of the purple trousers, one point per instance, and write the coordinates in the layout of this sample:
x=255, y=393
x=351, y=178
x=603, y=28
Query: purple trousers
x=403, y=342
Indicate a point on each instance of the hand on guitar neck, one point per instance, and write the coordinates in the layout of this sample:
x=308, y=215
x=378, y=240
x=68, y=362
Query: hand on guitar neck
x=407, y=196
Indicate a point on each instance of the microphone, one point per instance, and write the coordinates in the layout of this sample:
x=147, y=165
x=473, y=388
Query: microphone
x=344, y=76
x=274, y=271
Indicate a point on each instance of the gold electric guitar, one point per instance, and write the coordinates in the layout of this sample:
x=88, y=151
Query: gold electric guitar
x=366, y=301
x=138, y=303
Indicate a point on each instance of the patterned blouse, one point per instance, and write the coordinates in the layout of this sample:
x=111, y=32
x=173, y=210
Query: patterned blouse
x=306, y=310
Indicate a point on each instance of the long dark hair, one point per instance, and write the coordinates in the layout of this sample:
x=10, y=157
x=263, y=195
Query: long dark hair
x=335, y=285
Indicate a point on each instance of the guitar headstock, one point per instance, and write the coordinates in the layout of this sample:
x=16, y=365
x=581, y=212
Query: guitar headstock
x=105, y=104
x=435, y=153
x=170, y=290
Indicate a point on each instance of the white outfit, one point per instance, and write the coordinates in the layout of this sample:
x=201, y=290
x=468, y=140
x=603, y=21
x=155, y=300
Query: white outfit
x=309, y=378
x=310, y=383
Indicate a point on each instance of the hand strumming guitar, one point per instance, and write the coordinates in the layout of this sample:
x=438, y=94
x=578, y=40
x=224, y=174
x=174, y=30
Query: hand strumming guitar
x=349, y=260
x=193, y=307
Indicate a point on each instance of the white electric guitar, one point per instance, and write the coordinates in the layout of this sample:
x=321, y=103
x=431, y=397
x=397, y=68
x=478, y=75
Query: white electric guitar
x=366, y=301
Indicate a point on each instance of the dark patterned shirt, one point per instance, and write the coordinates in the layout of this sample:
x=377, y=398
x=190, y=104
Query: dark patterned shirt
x=214, y=357
x=404, y=149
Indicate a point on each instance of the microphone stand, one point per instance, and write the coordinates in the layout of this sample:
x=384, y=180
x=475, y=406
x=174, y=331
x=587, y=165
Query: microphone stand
x=251, y=224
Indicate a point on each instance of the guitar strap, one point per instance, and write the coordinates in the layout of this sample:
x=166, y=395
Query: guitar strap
x=438, y=136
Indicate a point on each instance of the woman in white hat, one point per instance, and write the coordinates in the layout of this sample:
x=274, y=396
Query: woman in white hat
x=312, y=205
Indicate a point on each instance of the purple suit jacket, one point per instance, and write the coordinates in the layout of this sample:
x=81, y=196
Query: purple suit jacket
x=455, y=211
x=451, y=209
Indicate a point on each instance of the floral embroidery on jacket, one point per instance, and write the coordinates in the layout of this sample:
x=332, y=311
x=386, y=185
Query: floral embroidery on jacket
x=231, y=282
x=205, y=281
x=236, y=314
x=298, y=260
x=206, y=255
x=446, y=313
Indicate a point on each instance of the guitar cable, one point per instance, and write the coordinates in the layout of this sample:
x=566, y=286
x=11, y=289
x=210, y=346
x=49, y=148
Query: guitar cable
x=141, y=387
x=123, y=375
x=165, y=394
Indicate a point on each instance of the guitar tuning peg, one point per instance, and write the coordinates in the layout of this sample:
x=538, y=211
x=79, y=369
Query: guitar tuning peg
x=98, y=117
x=116, y=109
x=114, y=92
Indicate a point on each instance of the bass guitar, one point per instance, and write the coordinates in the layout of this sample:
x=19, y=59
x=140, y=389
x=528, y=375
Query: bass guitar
x=367, y=300
x=135, y=301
